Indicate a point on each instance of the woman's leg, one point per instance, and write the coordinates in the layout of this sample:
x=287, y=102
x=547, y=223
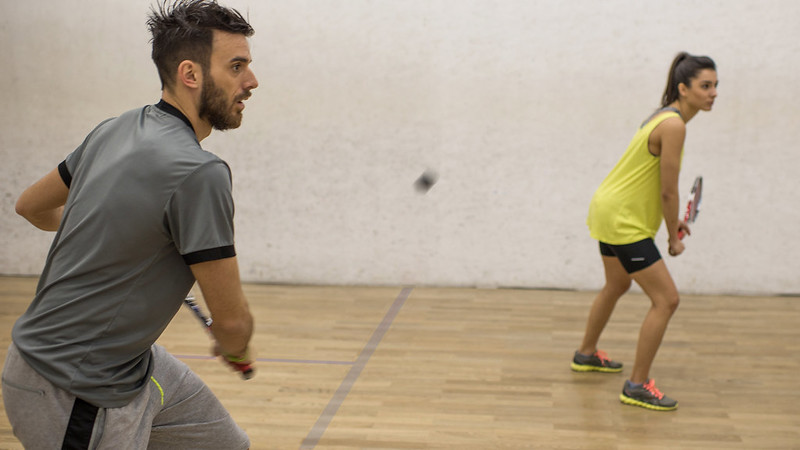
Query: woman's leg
x=657, y=283
x=617, y=283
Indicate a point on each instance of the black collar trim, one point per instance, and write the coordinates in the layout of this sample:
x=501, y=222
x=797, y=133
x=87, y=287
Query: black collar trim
x=169, y=109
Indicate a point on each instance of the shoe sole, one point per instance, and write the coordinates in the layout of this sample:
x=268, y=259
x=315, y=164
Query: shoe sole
x=633, y=402
x=587, y=368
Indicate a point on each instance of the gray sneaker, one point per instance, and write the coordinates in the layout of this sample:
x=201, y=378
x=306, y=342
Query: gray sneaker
x=598, y=362
x=647, y=396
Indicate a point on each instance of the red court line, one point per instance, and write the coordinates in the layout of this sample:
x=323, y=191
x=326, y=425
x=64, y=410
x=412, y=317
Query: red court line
x=338, y=398
x=273, y=360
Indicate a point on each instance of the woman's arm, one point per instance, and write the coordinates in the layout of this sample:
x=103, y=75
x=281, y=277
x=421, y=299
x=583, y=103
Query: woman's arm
x=672, y=133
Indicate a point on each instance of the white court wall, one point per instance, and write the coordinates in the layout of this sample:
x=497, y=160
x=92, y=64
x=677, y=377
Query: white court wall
x=522, y=107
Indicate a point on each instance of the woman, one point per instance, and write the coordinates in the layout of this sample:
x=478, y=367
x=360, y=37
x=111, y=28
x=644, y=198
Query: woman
x=625, y=214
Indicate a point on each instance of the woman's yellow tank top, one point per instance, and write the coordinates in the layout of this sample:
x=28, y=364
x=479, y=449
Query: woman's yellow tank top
x=626, y=208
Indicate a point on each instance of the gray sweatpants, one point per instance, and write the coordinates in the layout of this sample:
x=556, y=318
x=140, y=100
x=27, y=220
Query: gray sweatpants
x=176, y=410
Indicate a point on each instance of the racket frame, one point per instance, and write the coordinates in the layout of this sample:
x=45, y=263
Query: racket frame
x=246, y=370
x=693, y=204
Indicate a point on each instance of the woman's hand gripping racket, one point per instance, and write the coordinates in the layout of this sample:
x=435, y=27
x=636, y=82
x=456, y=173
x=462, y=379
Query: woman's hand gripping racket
x=693, y=205
x=245, y=369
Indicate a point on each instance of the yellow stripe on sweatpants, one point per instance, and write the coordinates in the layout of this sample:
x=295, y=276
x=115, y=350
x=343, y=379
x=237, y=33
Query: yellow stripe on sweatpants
x=159, y=390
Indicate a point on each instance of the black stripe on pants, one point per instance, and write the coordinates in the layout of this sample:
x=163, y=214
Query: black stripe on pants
x=80, y=426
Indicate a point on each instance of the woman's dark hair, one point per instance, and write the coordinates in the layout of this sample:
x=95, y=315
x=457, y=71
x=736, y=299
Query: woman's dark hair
x=184, y=30
x=684, y=68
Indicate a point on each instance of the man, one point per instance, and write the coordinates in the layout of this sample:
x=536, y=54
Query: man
x=141, y=213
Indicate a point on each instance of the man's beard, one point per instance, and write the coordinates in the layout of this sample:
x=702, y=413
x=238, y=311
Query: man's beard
x=215, y=108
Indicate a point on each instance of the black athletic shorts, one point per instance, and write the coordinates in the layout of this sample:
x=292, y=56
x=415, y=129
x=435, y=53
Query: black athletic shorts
x=634, y=257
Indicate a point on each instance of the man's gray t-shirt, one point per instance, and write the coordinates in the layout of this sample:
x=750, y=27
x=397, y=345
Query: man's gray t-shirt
x=145, y=202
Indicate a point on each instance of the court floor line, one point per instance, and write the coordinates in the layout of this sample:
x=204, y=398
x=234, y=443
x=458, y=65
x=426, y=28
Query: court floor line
x=274, y=360
x=336, y=401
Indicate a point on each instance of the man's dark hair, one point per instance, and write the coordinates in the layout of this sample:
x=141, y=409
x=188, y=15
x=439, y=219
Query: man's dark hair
x=184, y=30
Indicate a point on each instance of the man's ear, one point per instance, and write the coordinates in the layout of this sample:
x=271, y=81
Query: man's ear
x=190, y=74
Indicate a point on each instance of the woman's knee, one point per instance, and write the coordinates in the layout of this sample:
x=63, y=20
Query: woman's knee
x=618, y=287
x=668, y=301
x=674, y=302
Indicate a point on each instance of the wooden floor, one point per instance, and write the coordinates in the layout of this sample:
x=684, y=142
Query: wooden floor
x=425, y=368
